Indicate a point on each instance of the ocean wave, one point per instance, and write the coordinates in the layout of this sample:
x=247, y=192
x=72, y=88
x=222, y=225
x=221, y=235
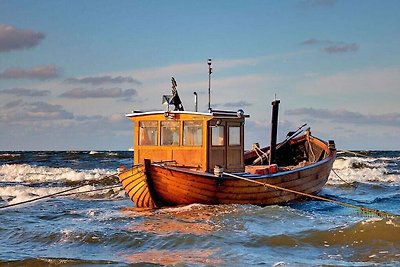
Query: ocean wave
x=54, y=262
x=355, y=169
x=372, y=240
x=9, y=156
x=369, y=232
x=11, y=195
x=39, y=174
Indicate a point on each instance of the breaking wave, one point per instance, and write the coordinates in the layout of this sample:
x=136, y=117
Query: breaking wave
x=365, y=170
x=23, y=182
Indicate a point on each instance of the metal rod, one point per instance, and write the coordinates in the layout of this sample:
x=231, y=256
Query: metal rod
x=195, y=101
x=209, y=84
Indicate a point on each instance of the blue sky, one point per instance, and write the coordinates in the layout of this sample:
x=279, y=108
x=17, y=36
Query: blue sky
x=70, y=70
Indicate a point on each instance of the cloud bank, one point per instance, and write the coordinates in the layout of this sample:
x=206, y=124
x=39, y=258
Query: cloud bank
x=332, y=47
x=12, y=38
x=36, y=111
x=345, y=116
x=317, y=3
x=25, y=92
x=44, y=72
x=79, y=93
x=97, y=80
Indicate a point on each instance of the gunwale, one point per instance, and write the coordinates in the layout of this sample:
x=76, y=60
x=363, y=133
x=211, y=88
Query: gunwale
x=176, y=185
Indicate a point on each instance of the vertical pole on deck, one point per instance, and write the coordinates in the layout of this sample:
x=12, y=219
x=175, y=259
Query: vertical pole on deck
x=274, y=130
x=209, y=84
x=195, y=102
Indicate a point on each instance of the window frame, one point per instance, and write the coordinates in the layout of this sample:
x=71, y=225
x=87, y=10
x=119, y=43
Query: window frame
x=219, y=144
x=239, y=136
x=140, y=140
x=174, y=139
x=184, y=133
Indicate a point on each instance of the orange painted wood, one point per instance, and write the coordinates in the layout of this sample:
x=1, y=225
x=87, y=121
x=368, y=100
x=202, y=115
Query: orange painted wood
x=173, y=185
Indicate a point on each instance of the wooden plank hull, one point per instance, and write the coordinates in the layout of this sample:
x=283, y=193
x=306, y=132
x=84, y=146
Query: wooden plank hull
x=135, y=183
x=172, y=185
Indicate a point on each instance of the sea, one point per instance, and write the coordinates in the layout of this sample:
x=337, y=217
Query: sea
x=62, y=208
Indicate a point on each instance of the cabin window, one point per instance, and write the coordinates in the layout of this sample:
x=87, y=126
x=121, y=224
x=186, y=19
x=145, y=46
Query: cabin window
x=217, y=133
x=170, y=133
x=192, y=133
x=234, y=136
x=148, y=132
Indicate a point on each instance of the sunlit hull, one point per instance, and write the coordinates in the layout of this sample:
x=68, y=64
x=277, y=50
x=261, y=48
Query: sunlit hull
x=173, y=185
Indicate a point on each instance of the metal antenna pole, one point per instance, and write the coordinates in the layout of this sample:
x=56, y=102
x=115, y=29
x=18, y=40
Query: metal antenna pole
x=209, y=84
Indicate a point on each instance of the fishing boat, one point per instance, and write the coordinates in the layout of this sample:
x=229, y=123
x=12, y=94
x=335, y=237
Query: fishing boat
x=185, y=157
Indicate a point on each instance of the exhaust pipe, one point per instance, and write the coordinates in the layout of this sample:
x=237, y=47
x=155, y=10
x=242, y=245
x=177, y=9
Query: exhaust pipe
x=274, y=131
x=195, y=101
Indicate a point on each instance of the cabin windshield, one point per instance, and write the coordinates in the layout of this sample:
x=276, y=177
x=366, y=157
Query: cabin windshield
x=148, y=133
x=192, y=133
x=170, y=133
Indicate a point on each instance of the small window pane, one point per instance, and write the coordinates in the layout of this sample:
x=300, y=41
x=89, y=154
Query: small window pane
x=192, y=133
x=234, y=136
x=217, y=133
x=148, y=133
x=170, y=133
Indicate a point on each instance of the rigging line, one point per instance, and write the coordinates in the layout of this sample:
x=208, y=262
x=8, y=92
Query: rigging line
x=42, y=197
x=259, y=156
x=343, y=179
x=363, y=209
x=288, y=138
x=90, y=191
x=52, y=195
x=354, y=153
x=265, y=155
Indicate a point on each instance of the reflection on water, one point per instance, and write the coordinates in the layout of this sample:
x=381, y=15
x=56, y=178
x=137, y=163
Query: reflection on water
x=193, y=219
x=168, y=257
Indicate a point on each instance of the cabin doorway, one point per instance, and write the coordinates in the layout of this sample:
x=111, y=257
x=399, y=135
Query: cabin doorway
x=234, y=148
x=226, y=145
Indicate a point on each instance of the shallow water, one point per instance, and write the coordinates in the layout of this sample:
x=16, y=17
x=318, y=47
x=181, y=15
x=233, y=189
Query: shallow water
x=103, y=227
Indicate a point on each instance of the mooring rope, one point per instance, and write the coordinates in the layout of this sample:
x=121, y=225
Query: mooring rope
x=41, y=197
x=91, y=191
x=352, y=185
x=360, y=208
x=354, y=153
x=62, y=193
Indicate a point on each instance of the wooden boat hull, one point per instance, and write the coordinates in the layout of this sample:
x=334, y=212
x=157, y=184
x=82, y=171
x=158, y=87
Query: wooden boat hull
x=135, y=183
x=160, y=184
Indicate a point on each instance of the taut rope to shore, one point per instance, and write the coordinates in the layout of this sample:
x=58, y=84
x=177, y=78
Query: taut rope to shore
x=64, y=193
x=360, y=208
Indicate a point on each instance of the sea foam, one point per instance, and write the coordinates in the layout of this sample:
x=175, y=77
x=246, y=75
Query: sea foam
x=36, y=174
x=366, y=170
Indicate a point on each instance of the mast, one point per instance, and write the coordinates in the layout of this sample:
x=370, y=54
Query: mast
x=209, y=84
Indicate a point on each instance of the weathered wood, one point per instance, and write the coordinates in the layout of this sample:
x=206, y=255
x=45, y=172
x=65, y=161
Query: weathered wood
x=167, y=179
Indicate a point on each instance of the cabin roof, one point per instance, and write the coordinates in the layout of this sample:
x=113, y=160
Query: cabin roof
x=212, y=114
x=147, y=113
